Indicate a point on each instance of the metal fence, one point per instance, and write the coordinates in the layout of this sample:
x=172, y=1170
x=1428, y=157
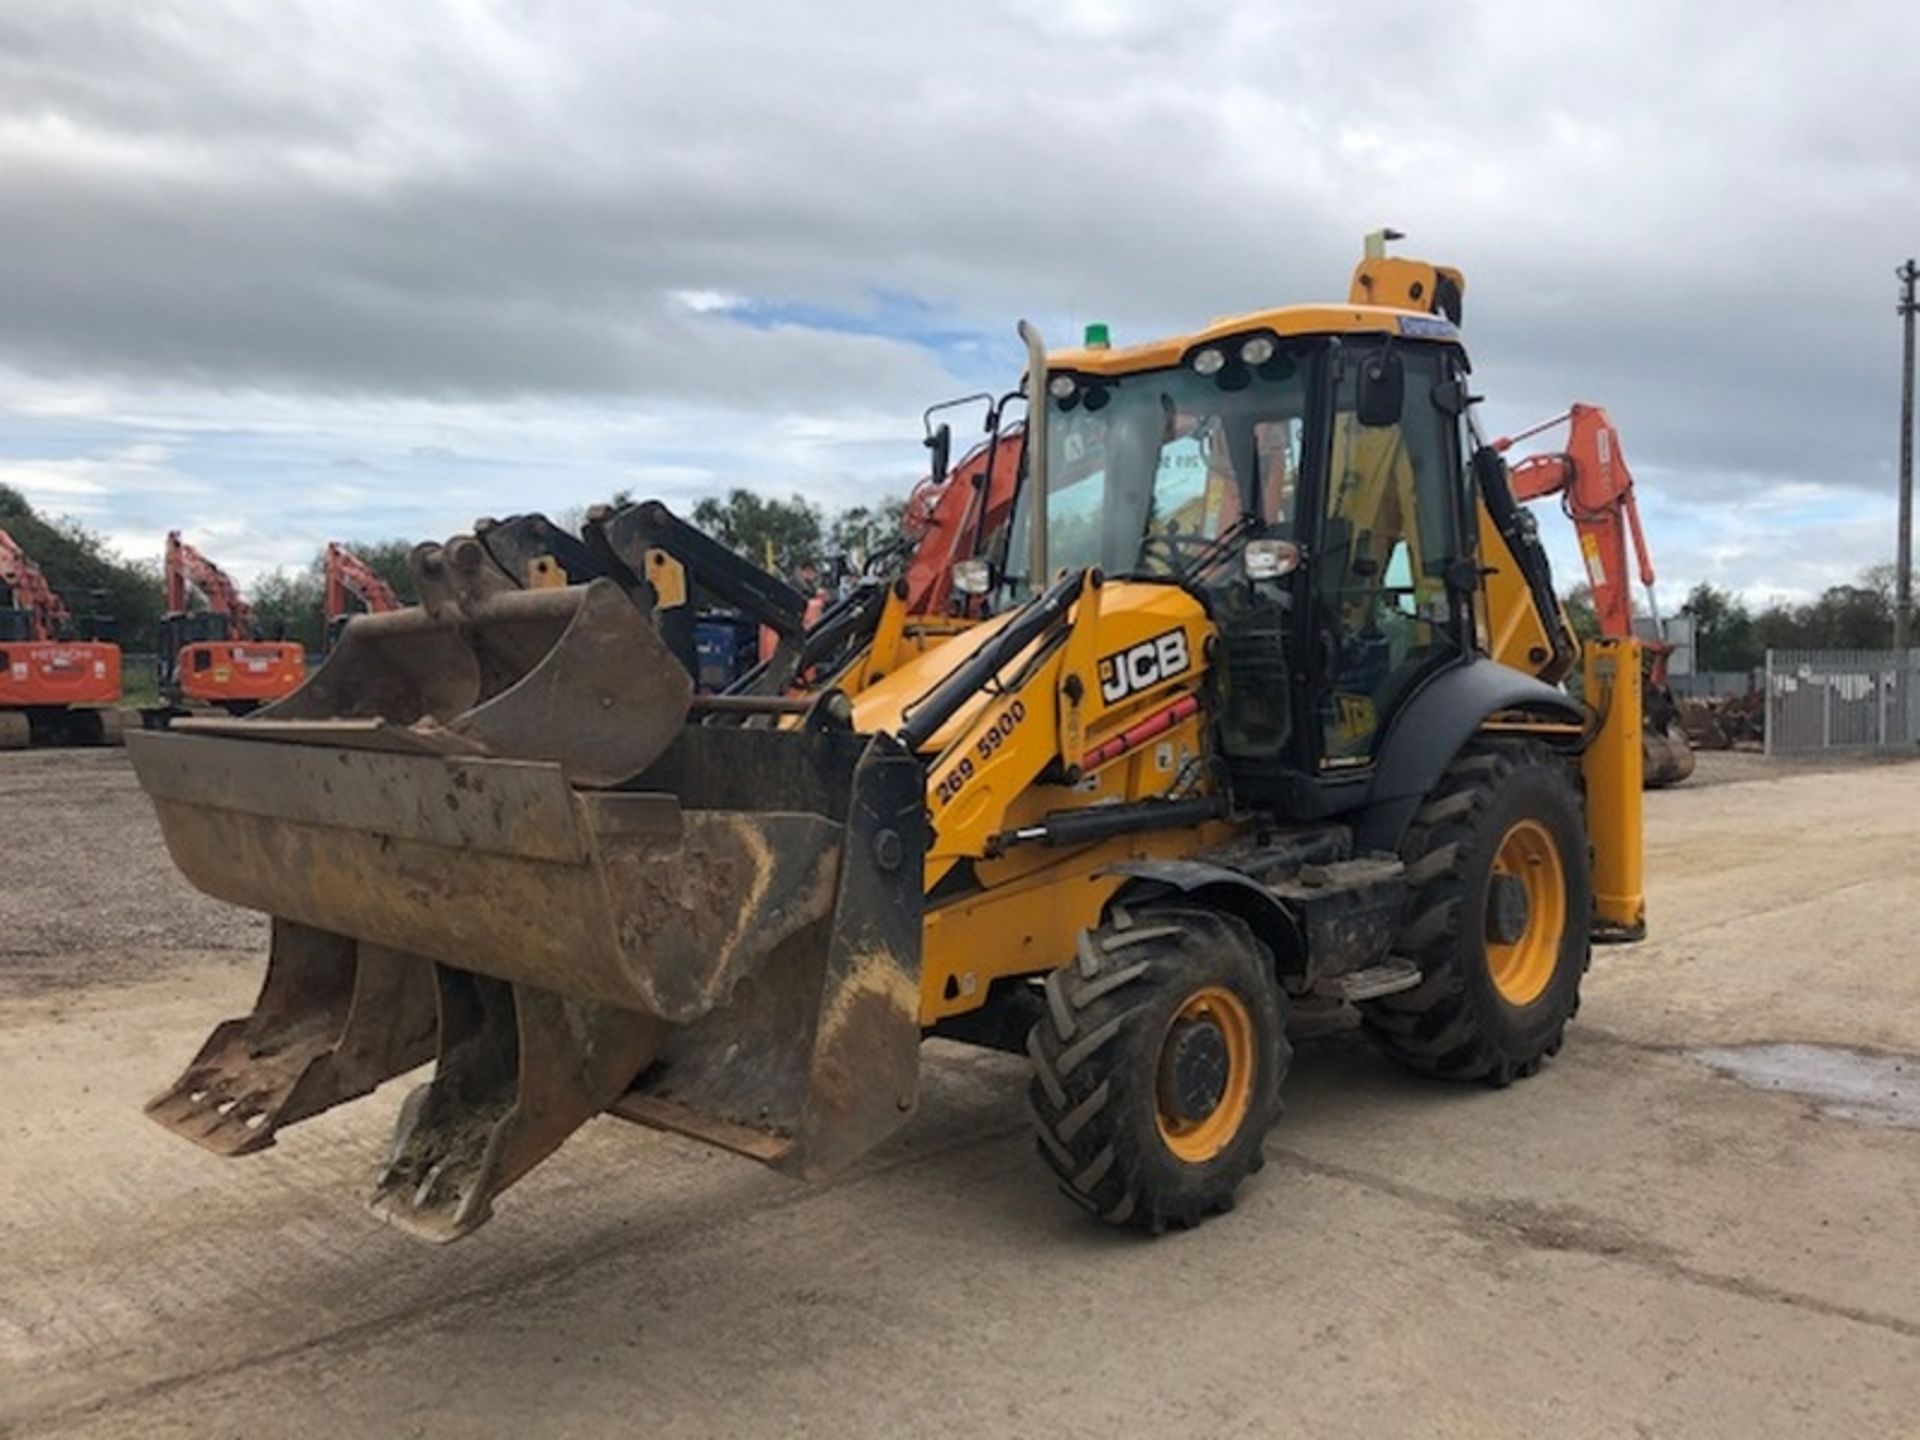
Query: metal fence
x=1840, y=700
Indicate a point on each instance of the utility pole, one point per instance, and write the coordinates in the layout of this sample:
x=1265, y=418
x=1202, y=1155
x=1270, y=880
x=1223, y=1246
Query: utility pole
x=1909, y=274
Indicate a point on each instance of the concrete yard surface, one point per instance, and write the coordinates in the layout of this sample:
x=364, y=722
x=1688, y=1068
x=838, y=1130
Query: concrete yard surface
x=1637, y=1242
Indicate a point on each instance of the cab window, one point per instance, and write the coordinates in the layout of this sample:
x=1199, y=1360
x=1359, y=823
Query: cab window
x=1391, y=529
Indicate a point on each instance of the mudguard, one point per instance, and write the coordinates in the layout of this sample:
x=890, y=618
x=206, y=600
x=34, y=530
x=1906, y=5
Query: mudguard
x=1429, y=730
x=1233, y=891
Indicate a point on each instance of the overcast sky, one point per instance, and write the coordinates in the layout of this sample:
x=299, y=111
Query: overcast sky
x=283, y=272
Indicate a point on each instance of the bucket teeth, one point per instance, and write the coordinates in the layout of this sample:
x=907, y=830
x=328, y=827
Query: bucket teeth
x=334, y=1019
x=520, y=1069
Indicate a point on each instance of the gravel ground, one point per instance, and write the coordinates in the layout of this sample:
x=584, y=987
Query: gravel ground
x=1666, y=1233
x=1740, y=767
x=97, y=900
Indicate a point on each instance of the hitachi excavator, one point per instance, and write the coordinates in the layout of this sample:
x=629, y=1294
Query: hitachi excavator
x=1595, y=489
x=352, y=587
x=952, y=517
x=208, y=658
x=53, y=687
x=1261, y=707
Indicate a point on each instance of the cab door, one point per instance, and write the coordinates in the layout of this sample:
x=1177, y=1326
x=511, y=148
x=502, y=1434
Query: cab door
x=1391, y=532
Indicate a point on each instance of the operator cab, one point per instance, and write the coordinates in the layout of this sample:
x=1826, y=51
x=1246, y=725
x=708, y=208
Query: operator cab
x=1301, y=472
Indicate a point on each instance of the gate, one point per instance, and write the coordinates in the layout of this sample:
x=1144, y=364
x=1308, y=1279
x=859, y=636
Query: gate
x=1840, y=700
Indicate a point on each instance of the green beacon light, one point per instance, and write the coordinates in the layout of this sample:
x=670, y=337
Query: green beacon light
x=1097, y=336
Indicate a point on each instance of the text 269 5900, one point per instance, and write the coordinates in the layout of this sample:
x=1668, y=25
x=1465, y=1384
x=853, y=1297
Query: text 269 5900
x=996, y=735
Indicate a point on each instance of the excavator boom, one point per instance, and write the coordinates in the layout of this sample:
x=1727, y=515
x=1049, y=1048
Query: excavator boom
x=189, y=573
x=349, y=579
x=1595, y=489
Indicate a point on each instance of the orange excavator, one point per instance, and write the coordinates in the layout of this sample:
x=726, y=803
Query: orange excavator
x=1595, y=487
x=950, y=515
x=208, y=658
x=52, y=687
x=353, y=587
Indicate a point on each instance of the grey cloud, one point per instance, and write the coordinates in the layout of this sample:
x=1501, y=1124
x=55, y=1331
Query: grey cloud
x=1689, y=213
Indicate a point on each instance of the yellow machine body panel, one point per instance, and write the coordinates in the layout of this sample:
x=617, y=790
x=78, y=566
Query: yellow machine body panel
x=1405, y=283
x=1028, y=916
x=1136, y=651
x=1283, y=321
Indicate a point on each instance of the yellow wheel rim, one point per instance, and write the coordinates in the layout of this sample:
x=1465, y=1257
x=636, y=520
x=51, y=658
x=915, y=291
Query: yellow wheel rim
x=1207, y=1065
x=1523, y=967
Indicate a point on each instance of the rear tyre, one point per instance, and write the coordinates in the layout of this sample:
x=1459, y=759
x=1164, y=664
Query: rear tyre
x=1499, y=910
x=1157, y=1068
x=16, y=731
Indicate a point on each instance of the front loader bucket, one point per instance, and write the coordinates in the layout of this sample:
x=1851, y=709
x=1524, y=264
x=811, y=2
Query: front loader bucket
x=726, y=944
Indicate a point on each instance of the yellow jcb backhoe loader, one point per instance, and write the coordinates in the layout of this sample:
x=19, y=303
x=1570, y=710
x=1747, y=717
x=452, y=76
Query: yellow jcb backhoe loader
x=1265, y=708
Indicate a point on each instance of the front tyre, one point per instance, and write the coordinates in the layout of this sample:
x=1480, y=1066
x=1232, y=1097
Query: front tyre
x=1157, y=1068
x=1499, y=910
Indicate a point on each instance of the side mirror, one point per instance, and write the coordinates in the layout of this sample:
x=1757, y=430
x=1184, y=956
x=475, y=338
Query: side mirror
x=940, y=442
x=972, y=577
x=1382, y=396
x=1270, y=559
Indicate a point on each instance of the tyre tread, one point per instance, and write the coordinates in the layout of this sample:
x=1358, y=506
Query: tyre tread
x=1442, y=1026
x=1093, y=1149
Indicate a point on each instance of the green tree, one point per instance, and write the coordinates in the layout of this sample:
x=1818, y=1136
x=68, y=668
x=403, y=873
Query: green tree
x=1723, y=630
x=1578, y=603
x=1781, y=627
x=287, y=606
x=391, y=560
x=1843, y=617
x=93, y=580
x=1851, y=617
x=860, y=532
x=780, y=534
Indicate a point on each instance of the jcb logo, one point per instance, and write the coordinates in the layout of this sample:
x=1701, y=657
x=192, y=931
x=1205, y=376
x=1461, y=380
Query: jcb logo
x=1148, y=663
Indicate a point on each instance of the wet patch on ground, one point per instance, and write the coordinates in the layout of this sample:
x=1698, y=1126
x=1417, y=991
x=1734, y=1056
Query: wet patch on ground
x=1873, y=1089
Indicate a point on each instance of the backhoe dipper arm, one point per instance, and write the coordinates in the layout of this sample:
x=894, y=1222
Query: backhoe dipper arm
x=1596, y=491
